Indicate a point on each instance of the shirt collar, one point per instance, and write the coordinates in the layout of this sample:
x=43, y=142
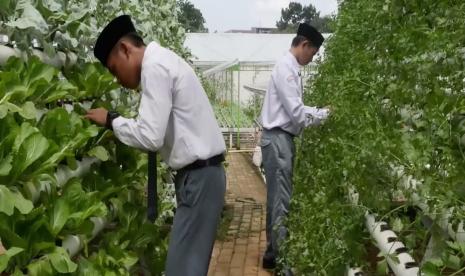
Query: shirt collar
x=150, y=49
x=293, y=60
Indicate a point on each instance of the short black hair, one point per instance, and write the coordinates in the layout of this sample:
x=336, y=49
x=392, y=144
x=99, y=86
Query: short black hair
x=300, y=39
x=135, y=39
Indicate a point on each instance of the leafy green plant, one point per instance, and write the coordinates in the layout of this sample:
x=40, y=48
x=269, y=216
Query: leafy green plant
x=46, y=193
x=393, y=76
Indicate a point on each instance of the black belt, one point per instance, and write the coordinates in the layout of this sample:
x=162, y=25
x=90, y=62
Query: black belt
x=282, y=130
x=213, y=161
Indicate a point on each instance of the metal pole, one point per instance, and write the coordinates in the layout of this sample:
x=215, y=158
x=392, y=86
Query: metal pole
x=231, y=109
x=238, y=106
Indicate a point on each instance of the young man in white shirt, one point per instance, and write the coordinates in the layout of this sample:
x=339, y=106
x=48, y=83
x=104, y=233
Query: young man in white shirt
x=283, y=117
x=176, y=119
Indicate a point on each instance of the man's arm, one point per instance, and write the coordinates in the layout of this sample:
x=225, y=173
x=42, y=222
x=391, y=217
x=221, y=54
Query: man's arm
x=288, y=92
x=147, y=131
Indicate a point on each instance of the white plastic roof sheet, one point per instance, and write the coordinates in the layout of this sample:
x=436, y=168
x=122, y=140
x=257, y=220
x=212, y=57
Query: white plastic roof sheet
x=245, y=47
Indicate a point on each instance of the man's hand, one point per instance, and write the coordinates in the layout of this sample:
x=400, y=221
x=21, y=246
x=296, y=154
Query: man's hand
x=98, y=115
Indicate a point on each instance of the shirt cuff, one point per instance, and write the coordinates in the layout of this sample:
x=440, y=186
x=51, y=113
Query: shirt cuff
x=117, y=122
x=319, y=113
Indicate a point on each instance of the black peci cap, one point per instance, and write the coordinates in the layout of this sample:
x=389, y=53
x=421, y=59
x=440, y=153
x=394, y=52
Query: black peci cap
x=311, y=33
x=111, y=34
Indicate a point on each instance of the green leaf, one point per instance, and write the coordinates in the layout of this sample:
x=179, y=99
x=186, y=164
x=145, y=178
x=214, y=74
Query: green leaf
x=12, y=107
x=56, y=95
x=60, y=216
x=24, y=206
x=453, y=245
x=40, y=71
x=25, y=131
x=72, y=162
x=453, y=262
x=10, y=200
x=28, y=110
x=5, y=258
x=97, y=209
x=56, y=125
x=87, y=268
x=8, y=235
x=4, y=5
x=382, y=267
x=3, y=111
x=42, y=246
x=17, y=272
x=61, y=261
x=397, y=225
x=429, y=269
x=129, y=261
x=436, y=262
x=30, y=18
x=5, y=165
x=92, y=131
x=462, y=247
x=49, y=50
x=30, y=150
x=73, y=192
x=100, y=153
x=41, y=267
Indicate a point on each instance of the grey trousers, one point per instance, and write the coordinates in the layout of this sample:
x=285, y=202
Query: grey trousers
x=200, y=195
x=278, y=152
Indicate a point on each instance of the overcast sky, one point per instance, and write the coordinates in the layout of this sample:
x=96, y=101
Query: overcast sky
x=223, y=15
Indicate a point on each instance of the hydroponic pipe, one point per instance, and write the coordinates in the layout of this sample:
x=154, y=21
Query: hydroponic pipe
x=62, y=175
x=354, y=272
x=73, y=243
x=60, y=59
x=388, y=243
x=410, y=183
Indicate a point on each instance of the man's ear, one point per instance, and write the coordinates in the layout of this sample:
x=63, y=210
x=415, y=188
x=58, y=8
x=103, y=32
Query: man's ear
x=305, y=43
x=125, y=48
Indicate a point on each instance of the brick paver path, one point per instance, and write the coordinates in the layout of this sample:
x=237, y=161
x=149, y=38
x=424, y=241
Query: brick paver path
x=240, y=253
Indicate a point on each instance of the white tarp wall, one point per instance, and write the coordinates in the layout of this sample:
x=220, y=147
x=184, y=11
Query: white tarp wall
x=256, y=53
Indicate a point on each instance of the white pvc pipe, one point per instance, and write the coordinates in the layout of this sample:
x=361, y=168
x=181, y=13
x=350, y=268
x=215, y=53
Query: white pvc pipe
x=7, y=52
x=354, y=272
x=410, y=183
x=459, y=236
x=389, y=244
x=99, y=224
x=64, y=173
x=60, y=59
x=73, y=244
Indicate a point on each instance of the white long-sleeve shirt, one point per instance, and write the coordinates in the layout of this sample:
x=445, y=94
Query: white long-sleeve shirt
x=175, y=116
x=283, y=106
